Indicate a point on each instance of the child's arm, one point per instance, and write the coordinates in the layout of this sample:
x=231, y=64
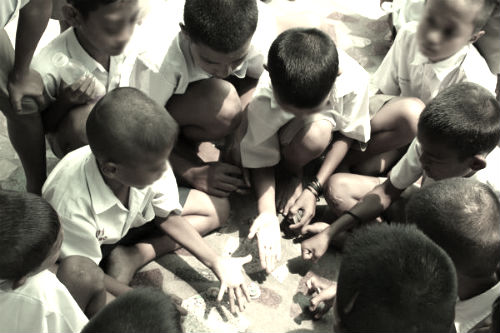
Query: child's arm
x=266, y=225
x=33, y=19
x=367, y=209
x=228, y=270
x=307, y=200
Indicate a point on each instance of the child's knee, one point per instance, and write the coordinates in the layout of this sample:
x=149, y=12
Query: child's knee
x=221, y=210
x=309, y=145
x=80, y=272
x=230, y=113
x=411, y=107
x=337, y=193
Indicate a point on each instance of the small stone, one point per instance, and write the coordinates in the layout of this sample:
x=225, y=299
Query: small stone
x=253, y=290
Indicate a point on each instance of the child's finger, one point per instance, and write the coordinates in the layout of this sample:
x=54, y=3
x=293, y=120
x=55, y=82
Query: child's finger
x=222, y=290
x=245, y=292
x=231, y=300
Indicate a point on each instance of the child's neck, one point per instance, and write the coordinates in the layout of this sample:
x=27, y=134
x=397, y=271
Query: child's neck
x=119, y=190
x=95, y=53
x=469, y=287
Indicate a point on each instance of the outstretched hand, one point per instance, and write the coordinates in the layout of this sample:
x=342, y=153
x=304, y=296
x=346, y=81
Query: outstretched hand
x=323, y=296
x=315, y=247
x=267, y=228
x=232, y=278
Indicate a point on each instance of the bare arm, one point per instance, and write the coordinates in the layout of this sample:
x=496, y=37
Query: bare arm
x=339, y=149
x=265, y=185
x=115, y=287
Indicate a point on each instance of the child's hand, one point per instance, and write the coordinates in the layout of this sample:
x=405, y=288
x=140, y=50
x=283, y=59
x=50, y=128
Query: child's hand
x=267, y=228
x=315, y=247
x=323, y=296
x=28, y=84
x=306, y=203
x=83, y=91
x=231, y=276
x=219, y=179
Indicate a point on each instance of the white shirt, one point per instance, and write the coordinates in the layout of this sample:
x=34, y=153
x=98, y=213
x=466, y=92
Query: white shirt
x=9, y=9
x=42, y=304
x=348, y=102
x=120, y=66
x=470, y=312
x=167, y=68
x=405, y=71
x=89, y=211
x=409, y=169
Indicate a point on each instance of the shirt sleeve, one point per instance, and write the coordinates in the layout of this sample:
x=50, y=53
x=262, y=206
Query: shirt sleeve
x=166, y=195
x=386, y=76
x=409, y=169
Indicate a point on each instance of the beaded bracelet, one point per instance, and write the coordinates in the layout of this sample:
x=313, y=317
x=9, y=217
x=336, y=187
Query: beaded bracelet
x=316, y=185
x=313, y=191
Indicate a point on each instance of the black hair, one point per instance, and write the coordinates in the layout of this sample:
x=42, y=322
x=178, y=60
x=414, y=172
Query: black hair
x=303, y=65
x=29, y=228
x=145, y=310
x=87, y=6
x=465, y=116
x=463, y=217
x=393, y=278
x=126, y=121
x=223, y=25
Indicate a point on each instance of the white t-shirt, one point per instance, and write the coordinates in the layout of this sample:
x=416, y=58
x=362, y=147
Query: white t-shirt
x=409, y=169
x=167, y=68
x=90, y=213
x=347, y=105
x=120, y=66
x=42, y=304
x=8, y=9
x=471, y=312
x=405, y=71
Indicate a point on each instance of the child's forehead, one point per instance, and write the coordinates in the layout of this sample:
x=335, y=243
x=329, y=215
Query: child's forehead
x=115, y=10
x=464, y=11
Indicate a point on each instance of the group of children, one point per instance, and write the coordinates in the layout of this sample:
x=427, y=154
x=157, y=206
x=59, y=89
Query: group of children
x=292, y=119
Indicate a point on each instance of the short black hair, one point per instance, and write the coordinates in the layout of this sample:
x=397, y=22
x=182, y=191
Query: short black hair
x=29, y=228
x=140, y=310
x=399, y=279
x=87, y=6
x=463, y=217
x=126, y=121
x=303, y=64
x=222, y=25
x=464, y=116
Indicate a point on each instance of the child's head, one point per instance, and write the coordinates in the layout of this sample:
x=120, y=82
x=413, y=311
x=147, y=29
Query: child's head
x=393, y=278
x=102, y=26
x=30, y=236
x=457, y=129
x=303, y=65
x=131, y=136
x=140, y=310
x=220, y=32
x=448, y=25
x=463, y=217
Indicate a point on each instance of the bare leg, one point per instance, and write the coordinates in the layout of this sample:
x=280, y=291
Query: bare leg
x=205, y=213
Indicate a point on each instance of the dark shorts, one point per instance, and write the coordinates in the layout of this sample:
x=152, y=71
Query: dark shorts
x=148, y=230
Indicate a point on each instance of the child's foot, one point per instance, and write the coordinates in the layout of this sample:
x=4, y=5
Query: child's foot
x=123, y=262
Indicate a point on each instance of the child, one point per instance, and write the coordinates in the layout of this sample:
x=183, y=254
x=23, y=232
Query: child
x=457, y=136
x=219, y=41
x=101, y=30
x=299, y=109
x=111, y=189
x=392, y=278
x=18, y=80
x=426, y=57
x=31, y=297
x=140, y=310
x=463, y=217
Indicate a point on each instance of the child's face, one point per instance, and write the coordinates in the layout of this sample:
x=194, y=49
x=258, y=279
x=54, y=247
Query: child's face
x=445, y=27
x=218, y=64
x=440, y=162
x=142, y=171
x=109, y=28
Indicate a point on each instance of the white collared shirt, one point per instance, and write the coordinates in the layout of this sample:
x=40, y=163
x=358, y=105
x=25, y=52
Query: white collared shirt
x=167, y=68
x=348, y=102
x=9, y=9
x=405, y=71
x=42, y=304
x=68, y=44
x=409, y=169
x=90, y=213
x=472, y=311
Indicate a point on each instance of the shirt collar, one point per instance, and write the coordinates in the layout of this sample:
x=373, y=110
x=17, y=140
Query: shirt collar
x=101, y=196
x=443, y=67
x=76, y=51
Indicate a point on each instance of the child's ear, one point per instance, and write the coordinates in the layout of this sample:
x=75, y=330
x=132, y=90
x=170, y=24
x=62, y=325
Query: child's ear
x=19, y=282
x=72, y=15
x=476, y=36
x=478, y=162
x=108, y=169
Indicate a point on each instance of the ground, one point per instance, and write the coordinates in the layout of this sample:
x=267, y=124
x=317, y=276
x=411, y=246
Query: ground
x=360, y=28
